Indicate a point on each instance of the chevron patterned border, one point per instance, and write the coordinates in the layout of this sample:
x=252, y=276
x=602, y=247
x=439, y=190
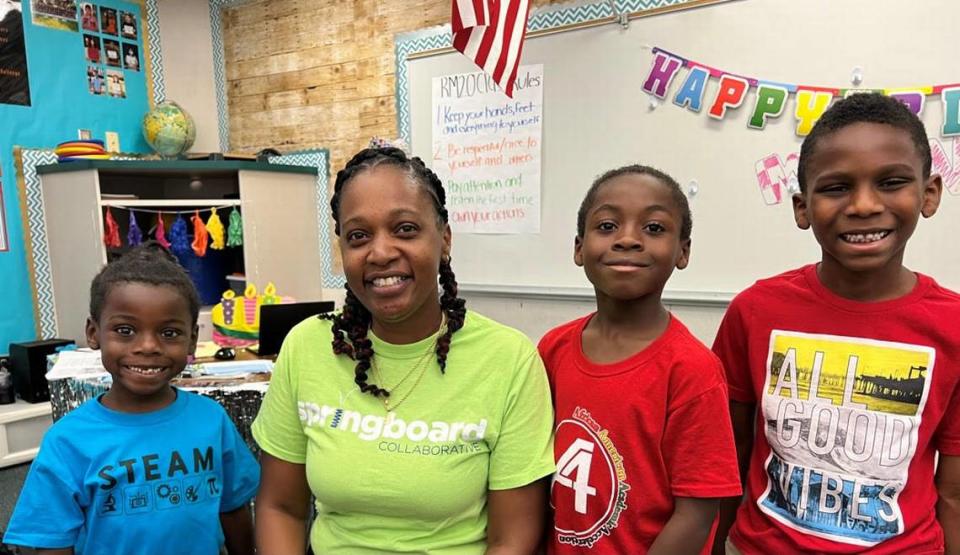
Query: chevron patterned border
x=220, y=69
x=320, y=159
x=156, y=52
x=545, y=18
x=46, y=309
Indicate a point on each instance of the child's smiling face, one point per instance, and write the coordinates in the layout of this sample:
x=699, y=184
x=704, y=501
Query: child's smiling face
x=145, y=334
x=865, y=192
x=632, y=238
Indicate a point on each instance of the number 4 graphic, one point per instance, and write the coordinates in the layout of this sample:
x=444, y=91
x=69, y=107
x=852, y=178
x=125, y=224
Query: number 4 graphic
x=573, y=471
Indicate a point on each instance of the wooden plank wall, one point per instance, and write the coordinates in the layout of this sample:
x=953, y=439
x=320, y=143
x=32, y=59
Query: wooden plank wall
x=317, y=73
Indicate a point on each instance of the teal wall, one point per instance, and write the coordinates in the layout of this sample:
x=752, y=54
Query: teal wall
x=60, y=104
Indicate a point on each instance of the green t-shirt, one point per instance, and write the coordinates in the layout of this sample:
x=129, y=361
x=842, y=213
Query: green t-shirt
x=413, y=480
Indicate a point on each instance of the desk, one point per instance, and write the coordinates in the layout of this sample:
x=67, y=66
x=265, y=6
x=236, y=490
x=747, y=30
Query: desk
x=240, y=399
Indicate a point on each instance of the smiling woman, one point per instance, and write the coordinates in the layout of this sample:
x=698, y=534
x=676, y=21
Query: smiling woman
x=442, y=416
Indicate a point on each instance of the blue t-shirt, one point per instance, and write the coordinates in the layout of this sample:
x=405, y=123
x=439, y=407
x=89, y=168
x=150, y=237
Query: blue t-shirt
x=113, y=482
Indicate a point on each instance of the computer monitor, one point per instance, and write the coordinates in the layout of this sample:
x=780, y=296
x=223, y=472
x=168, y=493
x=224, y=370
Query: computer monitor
x=276, y=321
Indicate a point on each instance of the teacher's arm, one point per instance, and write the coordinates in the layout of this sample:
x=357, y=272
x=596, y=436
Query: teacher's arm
x=282, y=509
x=516, y=519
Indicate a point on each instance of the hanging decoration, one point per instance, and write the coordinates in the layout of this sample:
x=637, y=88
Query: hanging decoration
x=199, y=235
x=179, y=242
x=161, y=235
x=134, y=235
x=770, y=101
x=235, y=230
x=215, y=229
x=111, y=231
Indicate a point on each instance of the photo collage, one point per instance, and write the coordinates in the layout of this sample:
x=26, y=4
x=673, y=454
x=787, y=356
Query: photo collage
x=111, y=47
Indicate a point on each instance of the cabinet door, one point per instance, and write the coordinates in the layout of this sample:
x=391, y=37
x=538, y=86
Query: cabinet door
x=280, y=235
x=74, y=224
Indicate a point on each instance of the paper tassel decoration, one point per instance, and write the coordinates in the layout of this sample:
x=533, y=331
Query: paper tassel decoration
x=179, y=242
x=111, y=232
x=215, y=229
x=161, y=234
x=134, y=235
x=199, y=235
x=235, y=230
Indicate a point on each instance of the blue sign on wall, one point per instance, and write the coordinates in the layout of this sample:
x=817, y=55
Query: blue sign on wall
x=93, y=78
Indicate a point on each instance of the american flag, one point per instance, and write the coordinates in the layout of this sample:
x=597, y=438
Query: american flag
x=491, y=33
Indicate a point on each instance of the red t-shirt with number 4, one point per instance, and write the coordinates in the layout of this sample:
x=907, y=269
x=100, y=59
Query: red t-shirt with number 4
x=633, y=435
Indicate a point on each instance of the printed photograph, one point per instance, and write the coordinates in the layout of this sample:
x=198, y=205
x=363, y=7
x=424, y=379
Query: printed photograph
x=886, y=378
x=88, y=17
x=116, y=86
x=14, y=85
x=128, y=25
x=111, y=52
x=95, y=80
x=108, y=20
x=55, y=14
x=91, y=47
x=131, y=57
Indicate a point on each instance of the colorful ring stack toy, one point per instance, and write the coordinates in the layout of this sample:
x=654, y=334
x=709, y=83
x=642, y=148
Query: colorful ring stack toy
x=90, y=149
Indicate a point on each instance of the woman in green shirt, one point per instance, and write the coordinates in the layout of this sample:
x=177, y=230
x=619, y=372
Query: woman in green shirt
x=419, y=426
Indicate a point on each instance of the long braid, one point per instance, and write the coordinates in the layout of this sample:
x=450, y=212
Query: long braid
x=351, y=325
x=455, y=309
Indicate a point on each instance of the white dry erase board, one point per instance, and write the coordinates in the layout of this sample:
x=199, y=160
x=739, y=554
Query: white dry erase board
x=596, y=117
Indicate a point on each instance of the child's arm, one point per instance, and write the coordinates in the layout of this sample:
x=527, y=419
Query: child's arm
x=238, y=531
x=61, y=551
x=741, y=416
x=689, y=527
x=948, y=505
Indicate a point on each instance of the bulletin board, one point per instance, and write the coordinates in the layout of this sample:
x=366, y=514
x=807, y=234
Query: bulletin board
x=596, y=116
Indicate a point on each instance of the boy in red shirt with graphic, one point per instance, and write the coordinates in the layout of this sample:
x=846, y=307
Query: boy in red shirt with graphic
x=643, y=443
x=843, y=375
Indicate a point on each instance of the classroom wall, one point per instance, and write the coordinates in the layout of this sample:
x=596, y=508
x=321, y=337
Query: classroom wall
x=187, y=51
x=317, y=74
x=61, y=104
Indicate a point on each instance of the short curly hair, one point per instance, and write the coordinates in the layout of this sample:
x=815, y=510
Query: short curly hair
x=148, y=263
x=865, y=108
x=686, y=217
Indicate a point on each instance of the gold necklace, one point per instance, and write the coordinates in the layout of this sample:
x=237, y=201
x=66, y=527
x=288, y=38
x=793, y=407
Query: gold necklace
x=420, y=365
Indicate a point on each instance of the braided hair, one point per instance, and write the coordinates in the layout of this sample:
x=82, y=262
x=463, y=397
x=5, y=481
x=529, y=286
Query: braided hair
x=350, y=326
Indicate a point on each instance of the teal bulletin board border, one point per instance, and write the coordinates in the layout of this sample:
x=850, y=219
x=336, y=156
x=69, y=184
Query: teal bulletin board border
x=320, y=159
x=219, y=68
x=158, y=91
x=547, y=19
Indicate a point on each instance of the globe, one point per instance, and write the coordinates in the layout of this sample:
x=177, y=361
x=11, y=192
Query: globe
x=169, y=129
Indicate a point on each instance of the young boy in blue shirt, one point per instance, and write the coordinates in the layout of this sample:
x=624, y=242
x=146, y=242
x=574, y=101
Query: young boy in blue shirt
x=145, y=468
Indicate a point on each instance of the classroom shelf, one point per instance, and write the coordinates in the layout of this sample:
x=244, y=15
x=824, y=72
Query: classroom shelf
x=200, y=203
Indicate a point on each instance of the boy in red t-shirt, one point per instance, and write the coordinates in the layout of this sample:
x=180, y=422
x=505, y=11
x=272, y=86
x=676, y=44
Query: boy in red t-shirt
x=643, y=445
x=844, y=375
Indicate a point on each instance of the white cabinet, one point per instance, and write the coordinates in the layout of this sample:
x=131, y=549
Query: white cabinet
x=278, y=204
x=22, y=426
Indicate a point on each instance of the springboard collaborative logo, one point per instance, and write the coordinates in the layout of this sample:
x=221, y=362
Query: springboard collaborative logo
x=394, y=433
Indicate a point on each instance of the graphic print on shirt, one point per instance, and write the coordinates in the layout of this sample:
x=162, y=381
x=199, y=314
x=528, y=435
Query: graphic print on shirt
x=842, y=419
x=151, y=482
x=396, y=435
x=590, y=483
